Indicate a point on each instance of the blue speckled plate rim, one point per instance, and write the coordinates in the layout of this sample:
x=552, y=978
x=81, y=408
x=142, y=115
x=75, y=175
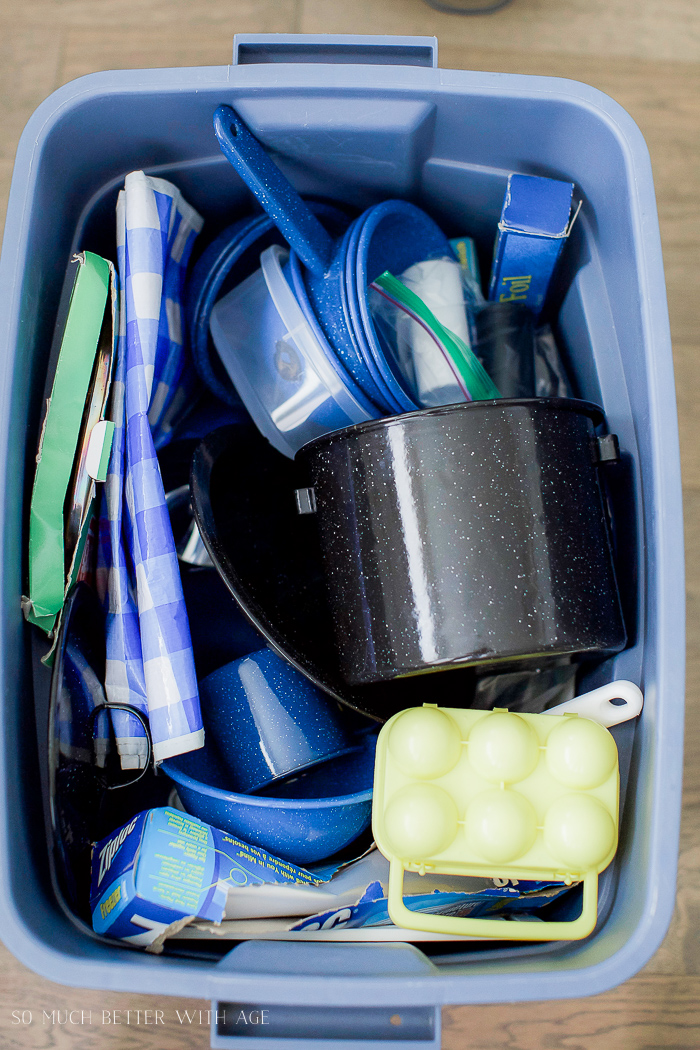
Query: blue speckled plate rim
x=349, y=379
x=263, y=801
x=376, y=362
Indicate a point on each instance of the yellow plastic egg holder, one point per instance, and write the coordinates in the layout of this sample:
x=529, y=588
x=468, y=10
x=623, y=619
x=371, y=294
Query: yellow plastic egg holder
x=500, y=795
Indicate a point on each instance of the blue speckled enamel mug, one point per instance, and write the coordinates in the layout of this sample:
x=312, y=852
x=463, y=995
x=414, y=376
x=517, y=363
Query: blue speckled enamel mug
x=269, y=721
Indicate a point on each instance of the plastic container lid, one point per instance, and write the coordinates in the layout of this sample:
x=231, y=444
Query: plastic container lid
x=276, y=362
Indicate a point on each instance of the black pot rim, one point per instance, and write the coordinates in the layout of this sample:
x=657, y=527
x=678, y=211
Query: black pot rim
x=562, y=404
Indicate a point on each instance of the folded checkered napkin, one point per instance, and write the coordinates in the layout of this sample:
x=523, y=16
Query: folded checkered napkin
x=150, y=664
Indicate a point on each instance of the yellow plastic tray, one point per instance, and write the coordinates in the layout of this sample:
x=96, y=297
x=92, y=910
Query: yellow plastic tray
x=500, y=795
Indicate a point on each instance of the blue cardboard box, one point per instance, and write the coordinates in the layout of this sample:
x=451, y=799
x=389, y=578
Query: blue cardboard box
x=164, y=868
x=535, y=222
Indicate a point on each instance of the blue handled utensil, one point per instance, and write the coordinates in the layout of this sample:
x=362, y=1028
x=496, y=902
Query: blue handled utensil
x=329, y=282
x=293, y=218
x=323, y=258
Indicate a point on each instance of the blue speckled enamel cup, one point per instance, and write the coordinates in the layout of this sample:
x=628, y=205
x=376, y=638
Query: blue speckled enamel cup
x=268, y=721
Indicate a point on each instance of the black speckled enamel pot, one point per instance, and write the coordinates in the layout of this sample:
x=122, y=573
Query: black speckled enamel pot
x=465, y=534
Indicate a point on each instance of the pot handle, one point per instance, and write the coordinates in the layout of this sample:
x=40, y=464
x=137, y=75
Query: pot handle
x=608, y=449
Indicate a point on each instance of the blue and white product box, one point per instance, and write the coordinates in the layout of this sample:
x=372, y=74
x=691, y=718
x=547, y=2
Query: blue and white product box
x=464, y=249
x=507, y=902
x=164, y=868
x=535, y=222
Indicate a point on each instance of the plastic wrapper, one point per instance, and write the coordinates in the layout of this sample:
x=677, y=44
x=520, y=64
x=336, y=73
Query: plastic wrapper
x=551, y=379
x=505, y=345
x=529, y=691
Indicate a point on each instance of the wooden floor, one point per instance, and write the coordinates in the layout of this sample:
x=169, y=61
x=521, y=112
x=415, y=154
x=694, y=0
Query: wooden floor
x=646, y=54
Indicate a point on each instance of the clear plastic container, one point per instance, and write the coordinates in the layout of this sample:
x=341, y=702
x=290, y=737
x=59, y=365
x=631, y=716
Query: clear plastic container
x=285, y=378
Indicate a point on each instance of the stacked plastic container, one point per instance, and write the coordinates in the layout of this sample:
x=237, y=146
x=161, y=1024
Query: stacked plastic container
x=446, y=140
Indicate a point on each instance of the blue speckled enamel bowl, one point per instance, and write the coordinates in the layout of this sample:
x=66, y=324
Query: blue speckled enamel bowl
x=322, y=810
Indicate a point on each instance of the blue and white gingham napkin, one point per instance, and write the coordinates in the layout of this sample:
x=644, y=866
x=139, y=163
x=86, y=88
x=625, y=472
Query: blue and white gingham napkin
x=149, y=653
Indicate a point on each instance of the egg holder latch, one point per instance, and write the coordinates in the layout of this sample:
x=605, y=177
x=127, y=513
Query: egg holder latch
x=573, y=930
x=496, y=795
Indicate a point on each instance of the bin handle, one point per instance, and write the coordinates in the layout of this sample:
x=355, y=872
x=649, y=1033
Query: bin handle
x=252, y=1026
x=341, y=49
x=573, y=930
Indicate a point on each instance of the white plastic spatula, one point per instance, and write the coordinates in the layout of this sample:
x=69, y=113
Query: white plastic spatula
x=609, y=705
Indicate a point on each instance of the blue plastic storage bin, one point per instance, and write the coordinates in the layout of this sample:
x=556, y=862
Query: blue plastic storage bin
x=446, y=139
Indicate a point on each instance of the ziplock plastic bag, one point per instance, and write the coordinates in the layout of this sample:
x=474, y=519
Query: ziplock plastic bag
x=436, y=361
